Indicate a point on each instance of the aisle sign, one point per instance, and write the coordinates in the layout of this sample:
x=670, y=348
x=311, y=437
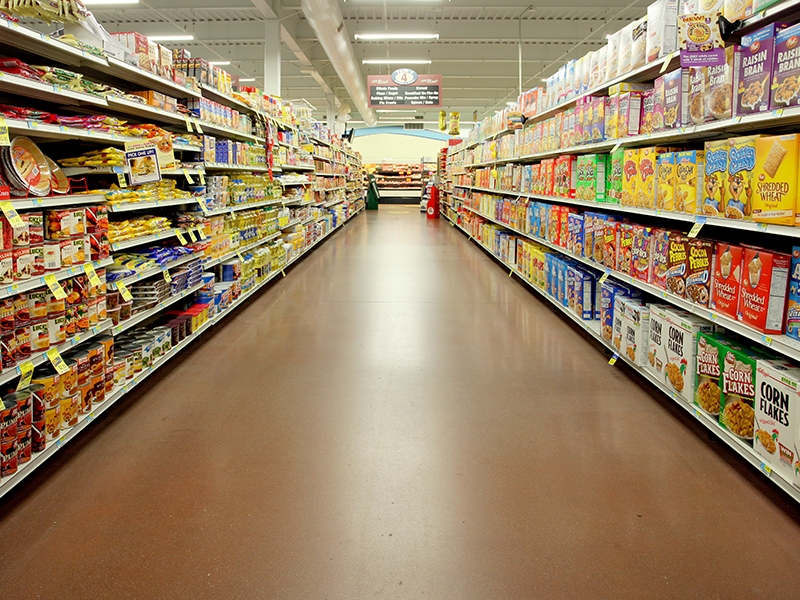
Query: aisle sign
x=405, y=88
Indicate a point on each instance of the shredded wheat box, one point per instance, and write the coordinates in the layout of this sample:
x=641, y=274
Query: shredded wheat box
x=762, y=293
x=727, y=278
x=776, y=416
x=681, y=351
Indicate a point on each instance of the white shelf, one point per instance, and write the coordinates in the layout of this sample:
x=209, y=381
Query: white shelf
x=297, y=167
x=211, y=262
x=37, y=282
x=55, y=201
x=224, y=167
x=47, y=92
x=151, y=312
x=237, y=207
x=226, y=100
x=153, y=271
x=221, y=130
x=131, y=206
x=147, y=239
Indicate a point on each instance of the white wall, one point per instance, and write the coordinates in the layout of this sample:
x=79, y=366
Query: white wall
x=391, y=147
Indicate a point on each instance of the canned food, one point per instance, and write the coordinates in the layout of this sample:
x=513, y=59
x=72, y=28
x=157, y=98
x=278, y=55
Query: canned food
x=78, y=251
x=97, y=357
x=83, y=316
x=53, y=422
x=6, y=233
x=58, y=224
x=21, y=236
x=70, y=409
x=101, y=275
x=39, y=436
x=71, y=320
x=7, y=320
x=35, y=226
x=37, y=260
x=8, y=349
x=81, y=357
x=109, y=379
x=22, y=343
x=92, y=311
x=48, y=378
x=54, y=305
x=8, y=458
x=23, y=263
x=85, y=392
x=24, y=407
x=8, y=420
x=6, y=266
x=107, y=342
x=98, y=384
x=123, y=365
x=66, y=250
x=69, y=379
x=24, y=446
x=40, y=336
x=56, y=327
x=52, y=256
x=22, y=315
x=37, y=304
x=37, y=401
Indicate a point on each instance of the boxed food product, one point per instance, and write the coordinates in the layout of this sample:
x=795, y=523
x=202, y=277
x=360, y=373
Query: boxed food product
x=598, y=124
x=755, y=69
x=737, y=414
x=793, y=300
x=624, y=247
x=662, y=29
x=656, y=340
x=636, y=329
x=737, y=9
x=610, y=241
x=689, y=176
x=698, y=32
x=612, y=117
x=615, y=176
x=697, y=95
x=658, y=104
x=777, y=410
x=711, y=348
x=774, y=182
x=164, y=61
x=584, y=294
x=741, y=165
x=630, y=176
x=625, y=49
x=714, y=182
x=665, y=189
x=639, y=43
x=660, y=257
x=677, y=257
x=575, y=242
x=646, y=185
x=680, y=344
x=719, y=86
x=612, y=56
x=595, y=177
x=676, y=99
x=617, y=325
x=785, y=82
x=727, y=278
x=641, y=255
x=629, y=114
x=699, y=271
x=646, y=117
x=762, y=293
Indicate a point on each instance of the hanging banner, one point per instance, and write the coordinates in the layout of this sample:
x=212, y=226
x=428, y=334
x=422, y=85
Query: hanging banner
x=442, y=120
x=405, y=88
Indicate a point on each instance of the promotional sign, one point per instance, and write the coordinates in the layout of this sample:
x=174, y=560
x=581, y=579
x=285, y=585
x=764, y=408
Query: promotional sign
x=142, y=160
x=405, y=88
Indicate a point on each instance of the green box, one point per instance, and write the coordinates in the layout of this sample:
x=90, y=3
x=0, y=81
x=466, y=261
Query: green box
x=614, y=177
x=595, y=177
x=711, y=349
x=737, y=400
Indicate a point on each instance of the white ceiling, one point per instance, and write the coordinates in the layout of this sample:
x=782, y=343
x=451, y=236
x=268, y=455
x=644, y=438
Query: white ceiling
x=477, y=51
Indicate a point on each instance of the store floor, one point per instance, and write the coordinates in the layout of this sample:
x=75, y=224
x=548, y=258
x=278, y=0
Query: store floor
x=397, y=419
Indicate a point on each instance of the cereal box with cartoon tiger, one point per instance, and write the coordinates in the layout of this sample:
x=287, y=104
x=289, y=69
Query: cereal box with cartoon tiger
x=689, y=178
x=680, y=343
x=777, y=409
x=715, y=179
x=739, y=181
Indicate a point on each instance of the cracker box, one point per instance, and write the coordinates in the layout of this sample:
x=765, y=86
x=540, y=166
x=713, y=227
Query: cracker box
x=680, y=343
x=727, y=278
x=624, y=247
x=793, y=299
x=762, y=294
x=646, y=117
x=774, y=185
x=708, y=376
x=785, y=83
x=737, y=9
x=662, y=29
x=677, y=257
x=641, y=253
x=715, y=180
x=777, y=409
x=676, y=99
x=719, y=86
x=610, y=243
x=755, y=69
x=658, y=104
x=656, y=340
x=739, y=180
x=665, y=182
x=615, y=176
x=636, y=328
x=689, y=177
x=737, y=414
x=646, y=186
x=630, y=176
x=699, y=271
x=697, y=95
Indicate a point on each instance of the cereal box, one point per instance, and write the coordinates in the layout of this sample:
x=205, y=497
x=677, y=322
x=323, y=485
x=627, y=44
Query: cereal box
x=660, y=257
x=714, y=183
x=656, y=340
x=639, y=43
x=636, y=329
x=755, y=69
x=624, y=247
x=681, y=351
x=738, y=392
x=646, y=186
x=719, y=80
x=584, y=294
x=617, y=322
x=629, y=114
x=646, y=117
x=662, y=30
x=737, y=9
x=595, y=177
x=610, y=242
x=677, y=257
x=625, y=43
x=588, y=234
x=762, y=294
x=698, y=32
x=739, y=180
x=727, y=278
x=793, y=300
x=665, y=188
x=575, y=242
x=775, y=179
x=777, y=410
x=658, y=104
x=786, y=69
x=676, y=99
x=697, y=95
x=699, y=270
x=615, y=176
x=598, y=124
x=689, y=176
x=630, y=176
x=641, y=255
x=708, y=377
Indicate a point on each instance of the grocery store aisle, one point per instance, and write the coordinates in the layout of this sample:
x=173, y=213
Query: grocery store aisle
x=396, y=419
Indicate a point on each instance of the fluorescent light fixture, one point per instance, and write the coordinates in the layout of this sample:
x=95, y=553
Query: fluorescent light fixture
x=247, y=79
x=510, y=103
x=98, y=2
x=392, y=61
x=170, y=38
x=396, y=36
x=409, y=110
x=219, y=63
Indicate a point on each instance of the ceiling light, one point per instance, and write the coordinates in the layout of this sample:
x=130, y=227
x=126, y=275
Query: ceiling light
x=396, y=36
x=170, y=38
x=392, y=61
x=397, y=110
x=219, y=63
x=94, y=2
x=510, y=103
x=247, y=79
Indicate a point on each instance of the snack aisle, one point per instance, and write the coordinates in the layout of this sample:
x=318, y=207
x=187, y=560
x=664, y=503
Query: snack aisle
x=657, y=207
x=102, y=279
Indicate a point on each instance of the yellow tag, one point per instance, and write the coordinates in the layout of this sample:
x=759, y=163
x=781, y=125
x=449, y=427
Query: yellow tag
x=181, y=239
x=603, y=279
x=766, y=468
x=124, y=292
x=511, y=272
x=189, y=126
x=57, y=361
x=695, y=230
x=283, y=273
x=88, y=268
x=192, y=236
x=11, y=214
x=198, y=127
x=26, y=370
x=239, y=254
x=202, y=177
x=121, y=180
x=665, y=66
x=4, y=141
x=613, y=360
x=55, y=287
x=201, y=233
x=188, y=176
x=615, y=148
x=167, y=276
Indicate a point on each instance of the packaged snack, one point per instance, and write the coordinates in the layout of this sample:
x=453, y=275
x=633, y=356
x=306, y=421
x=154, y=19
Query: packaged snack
x=641, y=255
x=741, y=165
x=639, y=43
x=662, y=29
x=719, y=88
x=677, y=257
x=762, y=294
x=665, y=190
x=711, y=349
x=624, y=247
x=676, y=99
x=681, y=351
x=630, y=176
x=775, y=179
x=646, y=186
x=660, y=257
x=737, y=414
x=625, y=49
x=715, y=180
x=727, y=278
x=777, y=409
x=612, y=56
x=636, y=329
x=610, y=241
x=755, y=69
x=615, y=176
x=699, y=270
x=656, y=340
x=658, y=104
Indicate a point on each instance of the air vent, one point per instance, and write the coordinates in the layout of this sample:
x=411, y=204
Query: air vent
x=413, y=125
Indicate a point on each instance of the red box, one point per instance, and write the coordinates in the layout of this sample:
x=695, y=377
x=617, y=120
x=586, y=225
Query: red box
x=762, y=293
x=727, y=279
x=624, y=247
x=610, y=243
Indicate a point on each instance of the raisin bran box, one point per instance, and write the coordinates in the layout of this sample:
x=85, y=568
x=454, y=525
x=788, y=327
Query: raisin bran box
x=727, y=278
x=699, y=271
x=786, y=69
x=681, y=351
x=719, y=86
x=715, y=180
x=676, y=99
x=755, y=70
x=656, y=345
x=762, y=294
x=677, y=257
x=689, y=176
x=777, y=406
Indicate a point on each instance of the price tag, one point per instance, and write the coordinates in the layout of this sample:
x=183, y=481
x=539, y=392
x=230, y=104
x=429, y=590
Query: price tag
x=613, y=360
x=616, y=147
x=283, y=273
x=762, y=226
x=766, y=468
x=603, y=279
x=61, y=441
x=202, y=175
x=189, y=125
x=696, y=413
x=239, y=254
x=11, y=214
x=198, y=127
x=201, y=233
x=167, y=276
x=121, y=180
x=181, y=239
x=192, y=236
x=665, y=66
x=778, y=112
x=188, y=175
x=4, y=139
x=57, y=361
x=88, y=268
x=695, y=230
x=767, y=340
x=124, y=292
x=737, y=120
x=26, y=372
x=55, y=287
x=511, y=272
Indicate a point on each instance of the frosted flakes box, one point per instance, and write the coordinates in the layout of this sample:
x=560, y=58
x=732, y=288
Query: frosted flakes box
x=689, y=176
x=660, y=257
x=630, y=176
x=665, y=190
x=656, y=344
x=777, y=409
x=677, y=256
x=715, y=180
x=641, y=255
x=762, y=294
x=786, y=69
x=624, y=247
x=699, y=271
x=775, y=179
x=727, y=278
x=636, y=328
x=755, y=69
x=681, y=351
x=739, y=179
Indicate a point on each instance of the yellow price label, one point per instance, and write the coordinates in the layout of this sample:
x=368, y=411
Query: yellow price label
x=603, y=279
x=201, y=233
x=192, y=236
x=189, y=126
x=167, y=276
x=4, y=139
x=55, y=287
x=11, y=214
x=26, y=372
x=613, y=360
x=123, y=183
x=181, y=239
x=188, y=175
x=124, y=292
x=88, y=268
x=202, y=175
x=695, y=230
x=239, y=254
x=283, y=273
x=57, y=362
x=668, y=60
x=198, y=127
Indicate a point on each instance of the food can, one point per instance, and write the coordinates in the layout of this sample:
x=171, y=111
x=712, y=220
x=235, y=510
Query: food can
x=148, y=347
x=92, y=311
x=37, y=303
x=81, y=357
x=97, y=357
x=69, y=379
x=40, y=336
x=24, y=446
x=54, y=305
x=21, y=236
x=23, y=263
x=24, y=402
x=78, y=221
x=66, y=249
x=109, y=379
x=7, y=319
x=22, y=314
x=35, y=226
x=136, y=350
x=107, y=341
x=70, y=409
x=8, y=349
x=56, y=327
x=58, y=224
x=83, y=316
x=78, y=251
x=123, y=365
x=46, y=376
x=99, y=245
x=52, y=256
x=6, y=266
x=53, y=422
x=102, y=314
x=85, y=392
x=8, y=458
x=37, y=401
x=98, y=384
x=8, y=420
x=22, y=343
x=38, y=436
x=37, y=260
x=71, y=320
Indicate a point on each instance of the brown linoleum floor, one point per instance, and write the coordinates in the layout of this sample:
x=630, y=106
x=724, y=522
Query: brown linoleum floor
x=397, y=419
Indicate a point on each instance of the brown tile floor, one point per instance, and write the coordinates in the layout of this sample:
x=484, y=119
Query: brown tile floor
x=397, y=419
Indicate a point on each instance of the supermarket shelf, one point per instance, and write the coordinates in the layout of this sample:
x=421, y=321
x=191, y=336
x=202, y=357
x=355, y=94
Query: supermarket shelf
x=288, y=145
x=134, y=76
x=296, y=183
x=297, y=167
x=333, y=189
x=226, y=100
x=20, y=37
x=593, y=329
x=61, y=132
x=221, y=130
x=237, y=207
x=105, y=170
x=317, y=140
x=130, y=206
x=54, y=201
x=152, y=271
x=281, y=123
x=787, y=11
x=333, y=203
x=47, y=91
x=151, y=312
x=321, y=174
x=325, y=158
x=145, y=111
x=37, y=282
x=226, y=167
x=215, y=261
x=146, y=239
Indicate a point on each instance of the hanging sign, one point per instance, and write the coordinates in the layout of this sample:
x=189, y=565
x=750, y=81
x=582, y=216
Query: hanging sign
x=142, y=160
x=405, y=88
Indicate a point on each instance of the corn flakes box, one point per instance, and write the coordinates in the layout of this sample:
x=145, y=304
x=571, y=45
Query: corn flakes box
x=774, y=183
x=646, y=185
x=614, y=175
x=681, y=351
x=739, y=180
x=711, y=349
x=636, y=328
x=715, y=179
x=689, y=177
x=656, y=340
x=665, y=181
x=777, y=410
x=727, y=278
x=737, y=413
x=641, y=253
x=630, y=176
